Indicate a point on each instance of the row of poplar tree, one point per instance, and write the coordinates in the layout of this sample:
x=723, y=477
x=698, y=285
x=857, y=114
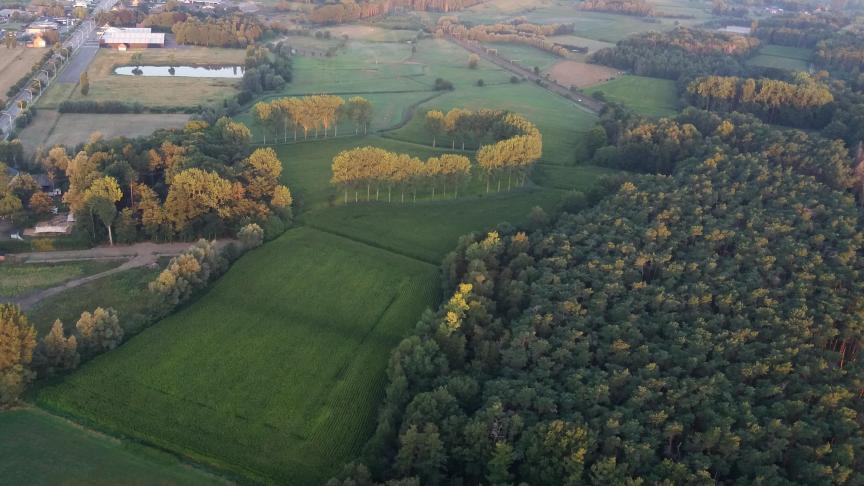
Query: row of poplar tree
x=309, y=113
x=517, y=146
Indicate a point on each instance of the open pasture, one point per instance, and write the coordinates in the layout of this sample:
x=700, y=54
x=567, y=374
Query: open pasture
x=644, y=95
x=152, y=91
x=39, y=449
x=15, y=63
x=276, y=373
x=560, y=121
x=51, y=127
x=371, y=33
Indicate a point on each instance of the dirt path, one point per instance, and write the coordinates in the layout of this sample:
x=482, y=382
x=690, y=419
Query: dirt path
x=588, y=104
x=137, y=255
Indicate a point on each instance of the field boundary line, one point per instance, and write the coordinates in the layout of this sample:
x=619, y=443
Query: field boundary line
x=121, y=440
x=370, y=244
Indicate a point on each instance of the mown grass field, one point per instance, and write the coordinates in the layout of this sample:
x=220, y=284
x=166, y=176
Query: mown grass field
x=50, y=128
x=276, y=372
x=39, y=449
x=644, y=95
x=15, y=63
x=151, y=91
x=782, y=57
x=21, y=278
x=125, y=291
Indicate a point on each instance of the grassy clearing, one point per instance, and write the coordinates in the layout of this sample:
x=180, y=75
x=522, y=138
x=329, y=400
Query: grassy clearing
x=277, y=372
x=646, y=96
x=125, y=291
x=52, y=128
x=21, y=278
x=782, y=57
x=152, y=91
x=39, y=449
x=15, y=63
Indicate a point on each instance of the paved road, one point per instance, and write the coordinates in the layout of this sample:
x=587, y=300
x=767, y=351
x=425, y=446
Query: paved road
x=588, y=104
x=86, y=31
x=79, y=62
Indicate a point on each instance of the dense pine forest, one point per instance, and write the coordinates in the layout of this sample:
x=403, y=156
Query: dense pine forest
x=691, y=329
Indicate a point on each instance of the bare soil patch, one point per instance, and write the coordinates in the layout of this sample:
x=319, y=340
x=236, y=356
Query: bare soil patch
x=580, y=74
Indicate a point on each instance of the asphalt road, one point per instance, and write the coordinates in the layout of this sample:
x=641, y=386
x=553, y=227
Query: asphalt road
x=79, y=62
x=87, y=29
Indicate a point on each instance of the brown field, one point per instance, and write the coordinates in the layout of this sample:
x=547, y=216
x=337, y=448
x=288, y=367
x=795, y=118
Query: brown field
x=580, y=74
x=15, y=63
x=152, y=91
x=51, y=128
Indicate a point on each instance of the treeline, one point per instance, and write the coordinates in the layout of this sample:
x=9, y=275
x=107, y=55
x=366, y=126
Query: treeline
x=87, y=106
x=122, y=17
x=234, y=31
x=639, y=8
x=265, y=70
x=376, y=167
x=311, y=113
x=624, y=141
x=679, y=53
x=517, y=32
x=843, y=55
x=770, y=99
x=667, y=336
x=202, y=181
x=464, y=124
x=349, y=10
x=799, y=30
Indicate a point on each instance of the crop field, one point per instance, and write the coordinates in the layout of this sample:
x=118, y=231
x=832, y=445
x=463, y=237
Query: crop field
x=782, y=57
x=125, y=291
x=51, y=127
x=18, y=279
x=152, y=91
x=315, y=313
x=429, y=230
x=15, y=63
x=646, y=96
x=39, y=449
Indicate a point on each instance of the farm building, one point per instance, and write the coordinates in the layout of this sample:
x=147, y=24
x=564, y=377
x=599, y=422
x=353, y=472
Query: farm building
x=41, y=27
x=132, y=38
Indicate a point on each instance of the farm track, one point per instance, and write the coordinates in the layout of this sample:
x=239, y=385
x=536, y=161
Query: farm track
x=137, y=255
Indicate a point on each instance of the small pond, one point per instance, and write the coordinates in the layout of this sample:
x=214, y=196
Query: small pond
x=184, y=71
